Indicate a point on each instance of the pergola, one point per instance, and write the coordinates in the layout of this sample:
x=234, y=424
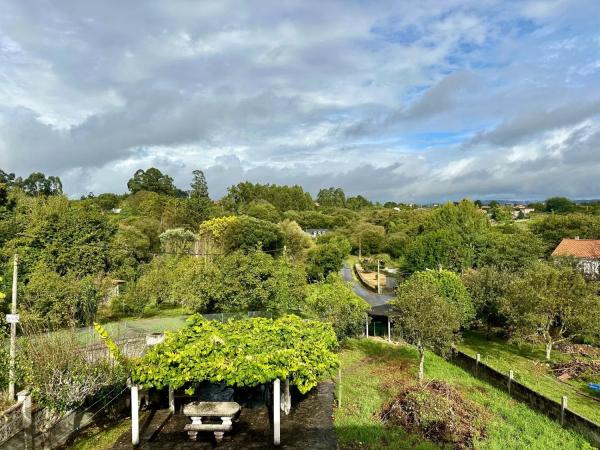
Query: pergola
x=246, y=352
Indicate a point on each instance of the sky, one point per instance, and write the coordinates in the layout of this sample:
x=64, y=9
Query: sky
x=412, y=101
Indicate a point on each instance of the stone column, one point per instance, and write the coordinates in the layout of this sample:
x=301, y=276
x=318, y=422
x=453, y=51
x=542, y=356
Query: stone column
x=276, y=412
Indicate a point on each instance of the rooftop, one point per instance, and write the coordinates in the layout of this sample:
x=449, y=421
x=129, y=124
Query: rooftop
x=578, y=248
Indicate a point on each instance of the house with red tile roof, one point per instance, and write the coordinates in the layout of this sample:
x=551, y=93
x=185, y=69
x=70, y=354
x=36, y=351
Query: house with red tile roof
x=585, y=251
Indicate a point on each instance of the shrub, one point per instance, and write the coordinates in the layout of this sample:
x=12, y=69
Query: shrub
x=59, y=375
x=438, y=412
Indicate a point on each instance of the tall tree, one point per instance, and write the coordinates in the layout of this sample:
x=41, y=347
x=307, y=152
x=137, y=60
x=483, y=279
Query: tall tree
x=152, y=180
x=332, y=197
x=427, y=319
x=37, y=184
x=199, y=185
x=551, y=303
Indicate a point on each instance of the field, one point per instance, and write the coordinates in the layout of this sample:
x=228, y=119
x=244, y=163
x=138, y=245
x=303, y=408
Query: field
x=528, y=364
x=373, y=372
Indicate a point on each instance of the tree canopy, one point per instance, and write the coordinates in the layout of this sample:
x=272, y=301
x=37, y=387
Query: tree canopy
x=241, y=353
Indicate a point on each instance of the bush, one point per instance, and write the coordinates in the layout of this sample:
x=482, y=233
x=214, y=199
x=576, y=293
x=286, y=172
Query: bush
x=333, y=301
x=438, y=412
x=59, y=375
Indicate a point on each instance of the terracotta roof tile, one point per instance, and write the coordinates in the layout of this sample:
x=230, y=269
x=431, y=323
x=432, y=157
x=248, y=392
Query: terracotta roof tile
x=579, y=248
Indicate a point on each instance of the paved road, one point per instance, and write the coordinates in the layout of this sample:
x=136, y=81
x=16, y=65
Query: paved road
x=371, y=297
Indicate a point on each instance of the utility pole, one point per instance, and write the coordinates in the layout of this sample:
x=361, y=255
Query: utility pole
x=359, y=248
x=13, y=318
x=378, y=283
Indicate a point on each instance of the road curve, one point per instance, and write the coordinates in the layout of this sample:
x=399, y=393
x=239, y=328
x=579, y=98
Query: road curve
x=372, y=298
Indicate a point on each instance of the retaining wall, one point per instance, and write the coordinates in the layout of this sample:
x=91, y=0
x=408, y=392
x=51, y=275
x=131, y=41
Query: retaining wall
x=535, y=400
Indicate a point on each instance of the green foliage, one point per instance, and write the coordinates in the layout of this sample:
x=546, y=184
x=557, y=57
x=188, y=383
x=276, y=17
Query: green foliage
x=560, y=205
x=551, y=303
x=178, y=240
x=263, y=210
x=487, y=286
x=296, y=241
x=327, y=256
x=282, y=197
x=553, y=228
x=52, y=301
x=508, y=248
x=152, y=180
x=333, y=301
x=199, y=186
x=247, y=233
x=449, y=286
x=357, y=203
x=58, y=374
x=37, y=184
x=241, y=353
x=370, y=238
x=426, y=317
x=331, y=197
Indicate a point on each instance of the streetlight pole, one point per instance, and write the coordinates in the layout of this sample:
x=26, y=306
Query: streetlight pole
x=13, y=332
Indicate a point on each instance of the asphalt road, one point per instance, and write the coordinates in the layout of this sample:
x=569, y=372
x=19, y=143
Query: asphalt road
x=371, y=297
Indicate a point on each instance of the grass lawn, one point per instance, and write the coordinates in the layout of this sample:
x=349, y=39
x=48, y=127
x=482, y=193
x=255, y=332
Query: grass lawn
x=372, y=374
x=529, y=365
x=100, y=438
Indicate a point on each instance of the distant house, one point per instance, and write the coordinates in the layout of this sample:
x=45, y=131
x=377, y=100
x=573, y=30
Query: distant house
x=585, y=251
x=316, y=232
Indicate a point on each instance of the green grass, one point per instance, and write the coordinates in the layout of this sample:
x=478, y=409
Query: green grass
x=373, y=372
x=96, y=438
x=530, y=368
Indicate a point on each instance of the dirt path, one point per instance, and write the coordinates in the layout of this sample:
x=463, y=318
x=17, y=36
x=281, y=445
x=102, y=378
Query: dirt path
x=308, y=426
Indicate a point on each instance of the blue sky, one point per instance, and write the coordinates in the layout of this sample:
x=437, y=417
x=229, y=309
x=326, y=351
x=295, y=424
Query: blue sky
x=410, y=101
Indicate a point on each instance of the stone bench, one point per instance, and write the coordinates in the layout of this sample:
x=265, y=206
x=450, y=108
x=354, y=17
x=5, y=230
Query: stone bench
x=210, y=410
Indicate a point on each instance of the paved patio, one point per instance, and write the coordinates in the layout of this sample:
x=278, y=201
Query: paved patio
x=308, y=426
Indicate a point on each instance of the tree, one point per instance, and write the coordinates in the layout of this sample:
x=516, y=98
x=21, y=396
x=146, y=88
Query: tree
x=334, y=301
x=551, y=303
x=560, y=205
x=282, y=197
x=199, y=186
x=508, y=248
x=553, y=228
x=368, y=237
x=487, y=286
x=37, y=184
x=427, y=319
x=296, y=241
x=248, y=233
x=331, y=197
x=357, y=203
x=263, y=210
x=152, y=180
x=327, y=257
x=178, y=240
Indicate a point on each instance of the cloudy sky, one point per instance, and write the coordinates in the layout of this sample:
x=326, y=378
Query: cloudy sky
x=398, y=100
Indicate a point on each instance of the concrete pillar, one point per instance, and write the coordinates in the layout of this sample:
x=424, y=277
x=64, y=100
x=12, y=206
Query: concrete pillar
x=26, y=419
x=367, y=327
x=510, y=378
x=477, y=361
x=276, y=412
x=286, y=398
x=389, y=330
x=563, y=406
x=171, y=399
x=135, y=415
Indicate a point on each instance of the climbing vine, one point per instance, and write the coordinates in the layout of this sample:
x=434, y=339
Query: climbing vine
x=241, y=353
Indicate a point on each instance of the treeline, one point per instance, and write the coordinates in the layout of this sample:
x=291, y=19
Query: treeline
x=166, y=247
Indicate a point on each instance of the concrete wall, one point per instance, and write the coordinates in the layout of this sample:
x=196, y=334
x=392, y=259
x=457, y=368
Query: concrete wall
x=66, y=427
x=587, y=428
